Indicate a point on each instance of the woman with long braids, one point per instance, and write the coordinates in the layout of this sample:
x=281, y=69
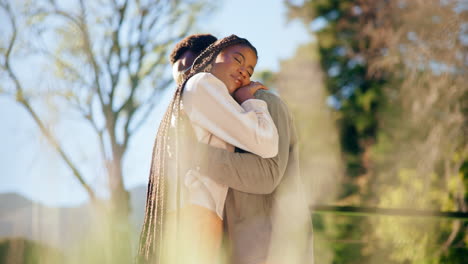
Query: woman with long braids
x=184, y=209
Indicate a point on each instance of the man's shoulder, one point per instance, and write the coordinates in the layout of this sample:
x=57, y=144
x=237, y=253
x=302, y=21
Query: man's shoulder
x=277, y=107
x=272, y=99
x=268, y=97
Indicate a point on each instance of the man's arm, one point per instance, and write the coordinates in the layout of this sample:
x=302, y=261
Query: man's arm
x=247, y=172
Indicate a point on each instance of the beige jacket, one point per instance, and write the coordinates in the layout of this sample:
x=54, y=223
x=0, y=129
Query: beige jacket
x=266, y=216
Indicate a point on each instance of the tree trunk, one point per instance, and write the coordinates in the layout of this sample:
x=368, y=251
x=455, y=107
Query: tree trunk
x=119, y=215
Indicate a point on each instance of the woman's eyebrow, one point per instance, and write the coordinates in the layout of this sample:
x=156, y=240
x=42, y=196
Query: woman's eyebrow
x=242, y=55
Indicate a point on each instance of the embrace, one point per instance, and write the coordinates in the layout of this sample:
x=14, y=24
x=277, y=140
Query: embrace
x=224, y=183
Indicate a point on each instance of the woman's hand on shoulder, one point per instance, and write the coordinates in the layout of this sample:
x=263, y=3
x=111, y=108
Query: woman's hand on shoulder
x=247, y=92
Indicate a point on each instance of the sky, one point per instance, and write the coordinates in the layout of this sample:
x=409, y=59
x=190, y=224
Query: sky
x=29, y=166
x=263, y=23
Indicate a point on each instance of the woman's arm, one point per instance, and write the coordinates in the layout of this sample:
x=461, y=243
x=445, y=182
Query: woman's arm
x=208, y=104
x=246, y=172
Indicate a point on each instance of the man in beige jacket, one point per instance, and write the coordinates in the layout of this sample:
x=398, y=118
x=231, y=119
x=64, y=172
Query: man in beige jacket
x=266, y=214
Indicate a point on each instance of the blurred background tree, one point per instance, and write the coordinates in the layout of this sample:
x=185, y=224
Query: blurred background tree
x=396, y=74
x=422, y=143
x=103, y=62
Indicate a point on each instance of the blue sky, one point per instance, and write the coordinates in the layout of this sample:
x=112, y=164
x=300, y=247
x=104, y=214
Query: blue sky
x=264, y=24
x=30, y=167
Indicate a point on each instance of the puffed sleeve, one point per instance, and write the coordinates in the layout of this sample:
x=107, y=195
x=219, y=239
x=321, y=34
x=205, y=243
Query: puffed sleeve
x=249, y=126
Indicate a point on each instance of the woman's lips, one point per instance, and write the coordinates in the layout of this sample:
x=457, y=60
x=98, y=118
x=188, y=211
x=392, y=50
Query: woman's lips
x=237, y=80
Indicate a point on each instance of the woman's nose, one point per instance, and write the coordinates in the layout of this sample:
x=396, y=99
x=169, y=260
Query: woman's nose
x=244, y=73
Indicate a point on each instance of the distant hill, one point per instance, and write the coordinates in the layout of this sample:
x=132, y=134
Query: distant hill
x=12, y=201
x=60, y=227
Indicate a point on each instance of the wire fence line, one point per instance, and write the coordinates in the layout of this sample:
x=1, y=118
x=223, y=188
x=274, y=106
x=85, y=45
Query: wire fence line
x=360, y=211
x=375, y=211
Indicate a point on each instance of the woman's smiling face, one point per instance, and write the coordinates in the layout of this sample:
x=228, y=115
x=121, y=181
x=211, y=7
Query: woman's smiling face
x=234, y=66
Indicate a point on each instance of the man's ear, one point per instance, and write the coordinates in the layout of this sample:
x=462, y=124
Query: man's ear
x=186, y=60
x=208, y=68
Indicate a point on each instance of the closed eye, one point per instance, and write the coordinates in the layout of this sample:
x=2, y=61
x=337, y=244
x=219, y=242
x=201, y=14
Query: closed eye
x=240, y=59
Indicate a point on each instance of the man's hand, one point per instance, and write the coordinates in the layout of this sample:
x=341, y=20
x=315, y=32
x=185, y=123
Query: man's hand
x=247, y=92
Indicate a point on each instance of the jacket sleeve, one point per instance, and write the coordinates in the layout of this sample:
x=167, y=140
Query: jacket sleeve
x=247, y=172
x=249, y=126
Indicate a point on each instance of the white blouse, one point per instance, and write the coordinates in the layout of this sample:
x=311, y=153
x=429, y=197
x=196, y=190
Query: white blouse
x=218, y=120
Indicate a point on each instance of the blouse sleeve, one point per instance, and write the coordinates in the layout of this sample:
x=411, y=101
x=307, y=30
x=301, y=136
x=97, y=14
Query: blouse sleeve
x=249, y=126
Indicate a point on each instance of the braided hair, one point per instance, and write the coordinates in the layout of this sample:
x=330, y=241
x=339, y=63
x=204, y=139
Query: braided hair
x=166, y=152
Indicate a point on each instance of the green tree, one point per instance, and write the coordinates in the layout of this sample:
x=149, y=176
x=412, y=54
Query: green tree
x=422, y=144
x=355, y=96
x=105, y=62
x=397, y=73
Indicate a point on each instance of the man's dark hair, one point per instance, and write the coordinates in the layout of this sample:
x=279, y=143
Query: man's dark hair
x=195, y=43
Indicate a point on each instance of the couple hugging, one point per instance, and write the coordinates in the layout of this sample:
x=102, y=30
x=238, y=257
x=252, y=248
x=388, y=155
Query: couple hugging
x=224, y=182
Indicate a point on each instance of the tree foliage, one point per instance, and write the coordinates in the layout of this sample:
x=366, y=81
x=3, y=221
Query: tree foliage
x=344, y=54
x=396, y=71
